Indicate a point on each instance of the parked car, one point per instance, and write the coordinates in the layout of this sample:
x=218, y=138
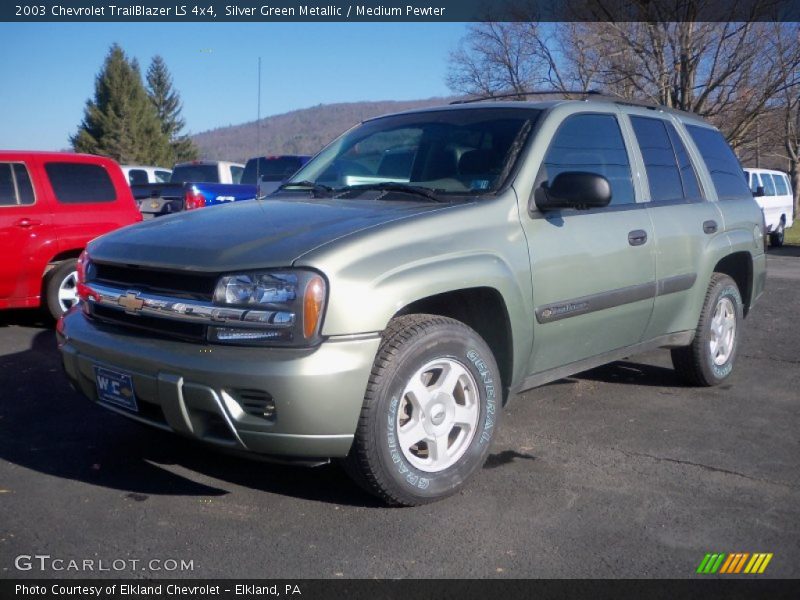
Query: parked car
x=422, y=269
x=207, y=171
x=51, y=205
x=773, y=192
x=137, y=174
x=269, y=172
x=193, y=185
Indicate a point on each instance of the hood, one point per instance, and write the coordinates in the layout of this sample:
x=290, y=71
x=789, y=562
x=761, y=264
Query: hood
x=247, y=235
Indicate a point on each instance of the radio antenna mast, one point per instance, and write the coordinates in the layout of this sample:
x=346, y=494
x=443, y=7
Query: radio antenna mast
x=258, y=134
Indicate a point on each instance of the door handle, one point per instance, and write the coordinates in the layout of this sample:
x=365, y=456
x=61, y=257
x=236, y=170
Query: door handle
x=709, y=227
x=637, y=237
x=25, y=223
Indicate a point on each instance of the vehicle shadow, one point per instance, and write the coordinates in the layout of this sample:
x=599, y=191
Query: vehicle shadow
x=629, y=372
x=31, y=317
x=47, y=427
x=793, y=251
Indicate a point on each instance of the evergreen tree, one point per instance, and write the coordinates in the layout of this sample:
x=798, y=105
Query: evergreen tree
x=168, y=106
x=120, y=121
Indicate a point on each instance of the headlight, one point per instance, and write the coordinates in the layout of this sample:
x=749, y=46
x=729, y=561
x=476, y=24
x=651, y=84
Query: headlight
x=287, y=307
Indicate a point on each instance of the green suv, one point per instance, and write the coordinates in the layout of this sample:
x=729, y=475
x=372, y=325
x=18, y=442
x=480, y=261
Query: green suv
x=386, y=302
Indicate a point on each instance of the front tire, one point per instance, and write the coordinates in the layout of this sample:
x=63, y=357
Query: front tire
x=710, y=358
x=61, y=287
x=429, y=414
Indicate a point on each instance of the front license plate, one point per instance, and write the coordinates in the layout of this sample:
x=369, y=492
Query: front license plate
x=115, y=388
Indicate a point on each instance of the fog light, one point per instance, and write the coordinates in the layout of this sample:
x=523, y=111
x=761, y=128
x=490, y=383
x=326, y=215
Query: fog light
x=257, y=403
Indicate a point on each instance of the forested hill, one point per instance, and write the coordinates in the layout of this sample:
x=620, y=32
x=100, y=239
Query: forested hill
x=303, y=131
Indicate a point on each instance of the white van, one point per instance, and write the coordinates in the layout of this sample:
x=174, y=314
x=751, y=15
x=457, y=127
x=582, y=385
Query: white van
x=773, y=192
x=138, y=174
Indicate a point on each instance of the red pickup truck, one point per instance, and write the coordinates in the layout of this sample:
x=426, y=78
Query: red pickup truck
x=51, y=205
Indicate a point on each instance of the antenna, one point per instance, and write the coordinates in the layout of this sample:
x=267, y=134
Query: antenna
x=258, y=134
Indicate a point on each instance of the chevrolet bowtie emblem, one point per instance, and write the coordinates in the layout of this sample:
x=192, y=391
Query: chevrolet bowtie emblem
x=131, y=302
x=154, y=204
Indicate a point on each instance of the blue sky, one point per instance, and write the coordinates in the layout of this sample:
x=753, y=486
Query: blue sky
x=47, y=70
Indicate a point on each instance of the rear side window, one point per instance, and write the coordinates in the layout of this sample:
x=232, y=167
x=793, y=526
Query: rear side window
x=726, y=172
x=162, y=176
x=591, y=143
x=780, y=185
x=78, y=183
x=669, y=170
x=236, y=174
x=15, y=185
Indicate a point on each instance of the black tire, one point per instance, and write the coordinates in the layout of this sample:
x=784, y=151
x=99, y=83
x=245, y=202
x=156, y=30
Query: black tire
x=776, y=238
x=695, y=363
x=53, y=282
x=376, y=461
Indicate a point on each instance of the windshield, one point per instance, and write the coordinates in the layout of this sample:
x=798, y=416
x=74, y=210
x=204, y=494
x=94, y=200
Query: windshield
x=448, y=151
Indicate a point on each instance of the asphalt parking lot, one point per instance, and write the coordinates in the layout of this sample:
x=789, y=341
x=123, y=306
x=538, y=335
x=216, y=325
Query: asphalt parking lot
x=618, y=472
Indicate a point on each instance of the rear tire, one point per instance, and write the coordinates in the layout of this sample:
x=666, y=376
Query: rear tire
x=710, y=358
x=429, y=413
x=61, y=291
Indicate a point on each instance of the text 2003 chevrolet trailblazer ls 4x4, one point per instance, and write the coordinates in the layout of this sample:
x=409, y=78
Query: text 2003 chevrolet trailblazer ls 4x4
x=386, y=301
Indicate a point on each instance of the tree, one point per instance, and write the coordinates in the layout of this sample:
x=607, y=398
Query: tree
x=167, y=103
x=120, y=121
x=730, y=72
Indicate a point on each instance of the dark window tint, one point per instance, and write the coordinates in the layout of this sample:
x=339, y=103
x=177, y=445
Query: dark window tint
x=75, y=183
x=195, y=174
x=24, y=186
x=726, y=172
x=137, y=177
x=8, y=194
x=769, y=185
x=659, y=159
x=276, y=168
x=669, y=170
x=691, y=186
x=15, y=185
x=780, y=185
x=594, y=144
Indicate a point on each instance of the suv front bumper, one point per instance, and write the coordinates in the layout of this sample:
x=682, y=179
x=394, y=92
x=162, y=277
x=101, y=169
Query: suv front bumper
x=213, y=392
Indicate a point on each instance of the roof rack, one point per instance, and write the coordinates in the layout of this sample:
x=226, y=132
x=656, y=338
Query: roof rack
x=585, y=95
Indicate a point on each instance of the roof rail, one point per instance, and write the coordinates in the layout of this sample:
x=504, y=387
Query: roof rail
x=584, y=93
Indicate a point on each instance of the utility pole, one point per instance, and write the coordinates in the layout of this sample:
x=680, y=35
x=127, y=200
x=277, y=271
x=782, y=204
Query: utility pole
x=758, y=143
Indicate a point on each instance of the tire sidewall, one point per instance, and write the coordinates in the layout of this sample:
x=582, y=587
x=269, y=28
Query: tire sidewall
x=724, y=289
x=54, y=280
x=444, y=342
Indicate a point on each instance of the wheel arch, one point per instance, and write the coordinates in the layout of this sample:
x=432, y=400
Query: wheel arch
x=739, y=267
x=484, y=310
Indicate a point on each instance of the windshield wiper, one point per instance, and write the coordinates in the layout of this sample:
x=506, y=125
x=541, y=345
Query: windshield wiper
x=392, y=186
x=317, y=189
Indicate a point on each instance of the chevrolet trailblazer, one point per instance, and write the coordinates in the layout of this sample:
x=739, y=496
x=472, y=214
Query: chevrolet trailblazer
x=386, y=301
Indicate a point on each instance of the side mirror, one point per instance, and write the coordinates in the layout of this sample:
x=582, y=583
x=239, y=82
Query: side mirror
x=759, y=192
x=574, y=189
